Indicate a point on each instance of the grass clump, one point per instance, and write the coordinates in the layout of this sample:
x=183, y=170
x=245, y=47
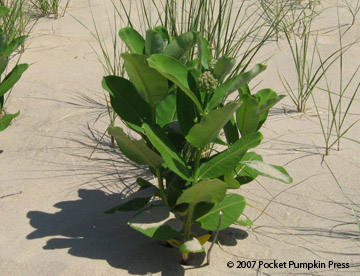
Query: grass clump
x=48, y=7
x=340, y=99
x=19, y=21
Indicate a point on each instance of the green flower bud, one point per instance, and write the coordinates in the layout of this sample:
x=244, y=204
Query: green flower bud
x=212, y=64
x=207, y=82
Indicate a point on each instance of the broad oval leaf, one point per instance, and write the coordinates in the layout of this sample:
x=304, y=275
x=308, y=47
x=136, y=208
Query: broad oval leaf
x=204, y=52
x=231, y=181
x=208, y=129
x=271, y=171
x=232, y=206
x=154, y=43
x=133, y=40
x=157, y=223
x=247, y=116
x=205, y=191
x=244, y=176
x=175, y=71
x=268, y=98
x=166, y=110
x=186, y=112
x=164, y=34
x=233, y=84
x=167, y=150
x=192, y=245
x=135, y=150
x=223, y=67
x=12, y=78
x=231, y=131
x=6, y=120
x=180, y=45
x=126, y=101
x=135, y=201
x=150, y=83
x=228, y=159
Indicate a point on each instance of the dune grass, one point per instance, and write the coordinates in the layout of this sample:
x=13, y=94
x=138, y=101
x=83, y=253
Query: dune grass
x=48, y=7
x=340, y=99
x=19, y=21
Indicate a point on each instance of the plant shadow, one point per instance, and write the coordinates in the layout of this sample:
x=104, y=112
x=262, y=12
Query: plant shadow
x=89, y=233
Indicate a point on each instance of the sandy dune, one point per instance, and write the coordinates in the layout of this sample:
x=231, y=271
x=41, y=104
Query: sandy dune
x=52, y=197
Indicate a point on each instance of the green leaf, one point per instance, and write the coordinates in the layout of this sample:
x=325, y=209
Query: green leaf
x=223, y=67
x=13, y=45
x=186, y=112
x=157, y=223
x=244, y=220
x=2, y=41
x=154, y=43
x=247, y=116
x=231, y=181
x=135, y=150
x=219, y=141
x=4, y=60
x=150, y=83
x=208, y=129
x=166, y=110
x=164, y=34
x=175, y=71
x=193, y=63
x=243, y=175
x=231, y=131
x=228, y=159
x=271, y=171
x=244, y=90
x=135, y=201
x=233, y=84
x=232, y=206
x=180, y=45
x=126, y=101
x=268, y=98
x=167, y=150
x=192, y=245
x=143, y=183
x=12, y=78
x=204, y=52
x=205, y=191
x=133, y=40
x=4, y=10
x=6, y=120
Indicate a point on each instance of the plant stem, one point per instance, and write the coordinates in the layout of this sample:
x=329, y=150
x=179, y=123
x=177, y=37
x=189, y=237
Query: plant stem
x=189, y=221
x=197, y=165
x=192, y=206
x=161, y=186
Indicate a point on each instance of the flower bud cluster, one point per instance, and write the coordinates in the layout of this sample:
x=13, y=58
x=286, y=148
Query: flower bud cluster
x=207, y=82
x=212, y=64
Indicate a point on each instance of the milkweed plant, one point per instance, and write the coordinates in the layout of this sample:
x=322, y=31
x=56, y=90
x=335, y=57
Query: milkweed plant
x=195, y=141
x=7, y=81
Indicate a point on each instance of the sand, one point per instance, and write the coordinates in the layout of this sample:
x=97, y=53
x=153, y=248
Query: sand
x=52, y=196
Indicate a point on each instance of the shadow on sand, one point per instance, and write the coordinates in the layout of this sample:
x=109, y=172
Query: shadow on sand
x=83, y=228
x=89, y=233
